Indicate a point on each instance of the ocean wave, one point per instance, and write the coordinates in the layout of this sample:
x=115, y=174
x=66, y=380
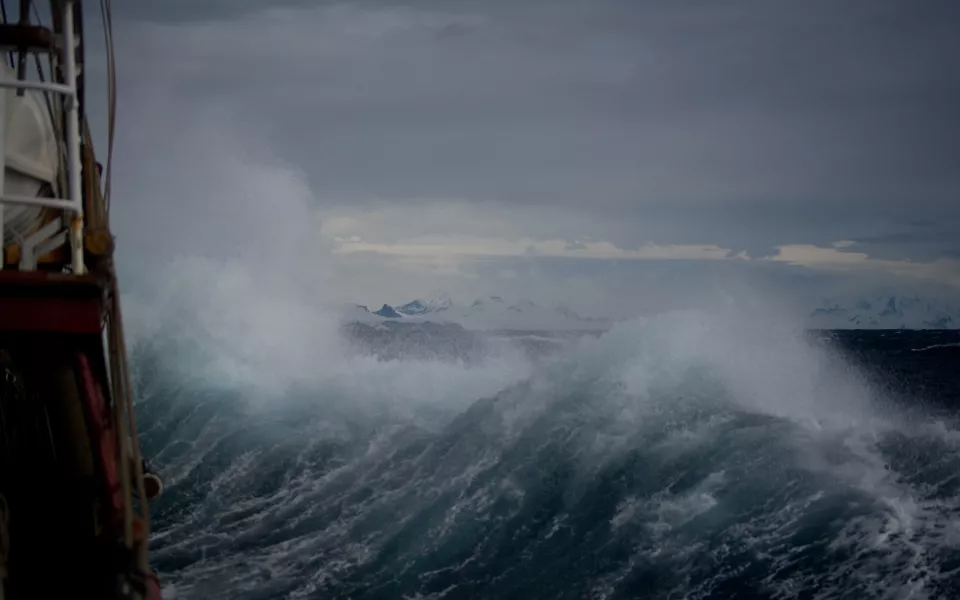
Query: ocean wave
x=688, y=455
x=936, y=347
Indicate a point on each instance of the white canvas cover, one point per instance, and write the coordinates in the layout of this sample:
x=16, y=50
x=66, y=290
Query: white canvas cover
x=30, y=148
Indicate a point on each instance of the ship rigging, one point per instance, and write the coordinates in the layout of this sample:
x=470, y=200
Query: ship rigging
x=74, y=514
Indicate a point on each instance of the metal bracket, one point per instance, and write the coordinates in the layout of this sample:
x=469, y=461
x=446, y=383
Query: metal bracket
x=40, y=242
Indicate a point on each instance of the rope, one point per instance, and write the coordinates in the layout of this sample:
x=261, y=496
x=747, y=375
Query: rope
x=129, y=442
x=124, y=398
x=123, y=448
x=106, y=13
x=127, y=427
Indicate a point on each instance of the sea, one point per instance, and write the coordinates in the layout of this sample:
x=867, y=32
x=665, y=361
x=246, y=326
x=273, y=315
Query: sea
x=681, y=456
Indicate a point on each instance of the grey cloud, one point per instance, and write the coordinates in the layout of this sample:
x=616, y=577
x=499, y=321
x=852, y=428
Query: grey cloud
x=743, y=102
x=748, y=124
x=178, y=11
x=918, y=240
x=911, y=237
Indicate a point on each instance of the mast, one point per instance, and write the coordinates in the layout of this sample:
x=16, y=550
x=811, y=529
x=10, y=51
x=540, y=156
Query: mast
x=61, y=332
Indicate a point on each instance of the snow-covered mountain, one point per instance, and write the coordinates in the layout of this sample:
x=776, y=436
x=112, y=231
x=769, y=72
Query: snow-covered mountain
x=886, y=311
x=421, y=307
x=492, y=313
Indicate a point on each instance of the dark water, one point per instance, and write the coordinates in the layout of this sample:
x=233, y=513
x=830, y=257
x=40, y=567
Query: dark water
x=673, y=459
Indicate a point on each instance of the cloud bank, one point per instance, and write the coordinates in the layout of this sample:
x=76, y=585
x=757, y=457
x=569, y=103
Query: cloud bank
x=583, y=150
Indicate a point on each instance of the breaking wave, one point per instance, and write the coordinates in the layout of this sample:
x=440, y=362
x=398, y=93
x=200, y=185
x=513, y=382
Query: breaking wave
x=936, y=347
x=689, y=455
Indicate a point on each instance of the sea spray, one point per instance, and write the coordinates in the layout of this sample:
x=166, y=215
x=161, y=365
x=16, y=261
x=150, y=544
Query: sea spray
x=690, y=453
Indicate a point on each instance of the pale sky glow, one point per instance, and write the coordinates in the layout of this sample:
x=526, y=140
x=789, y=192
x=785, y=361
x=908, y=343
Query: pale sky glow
x=438, y=249
x=945, y=271
x=481, y=247
x=572, y=151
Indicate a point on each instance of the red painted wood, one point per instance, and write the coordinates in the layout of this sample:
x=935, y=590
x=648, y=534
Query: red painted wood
x=32, y=279
x=34, y=301
x=50, y=315
x=102, y=437
x=153, y=587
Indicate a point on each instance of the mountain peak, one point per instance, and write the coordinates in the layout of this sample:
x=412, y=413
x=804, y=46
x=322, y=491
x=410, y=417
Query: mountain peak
x=388, y=312
x=492, y=313
x=440, y=301
x=420, y=307
x=886, y=311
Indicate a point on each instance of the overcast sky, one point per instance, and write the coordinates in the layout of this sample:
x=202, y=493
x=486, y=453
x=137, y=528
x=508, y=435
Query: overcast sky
x=610, y=154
